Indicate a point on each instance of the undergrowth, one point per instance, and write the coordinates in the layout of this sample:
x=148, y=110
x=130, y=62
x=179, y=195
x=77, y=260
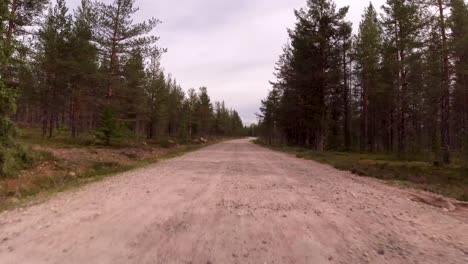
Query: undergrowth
x=416, y=171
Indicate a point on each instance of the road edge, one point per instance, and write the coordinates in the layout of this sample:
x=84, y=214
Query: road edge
x=45, y=195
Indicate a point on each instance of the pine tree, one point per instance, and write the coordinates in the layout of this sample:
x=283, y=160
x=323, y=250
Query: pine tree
x=133, y=94
x=19, y=17
x=54, y=57
x=83, y=65
x=20, y=14
x=175, y=108
x=8, y=145
x=445, y=94
x=307, y=74
x=269, y=116
x=367, y=52
x=204, y=113
x=192, y=103
x=402, y=26
x=118, y=35
x=7, y=96
x=346, y=33
x=156, y=90
x=96, y=72
x=459, y=46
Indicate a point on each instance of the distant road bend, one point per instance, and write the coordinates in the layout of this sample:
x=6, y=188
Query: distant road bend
x=234, y=202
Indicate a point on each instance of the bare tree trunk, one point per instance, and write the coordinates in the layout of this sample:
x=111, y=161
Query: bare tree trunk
x=44, y=122
x=11, y=24
x=465, y=113
x=347, y=133
x=113, y=55
x=445, y=99
x=74, y=114
x=365, y=113
x=51, y=124
x=403, y=87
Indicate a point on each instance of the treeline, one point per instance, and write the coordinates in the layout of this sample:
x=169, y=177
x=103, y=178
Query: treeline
x=95, y=69
x=399, y=85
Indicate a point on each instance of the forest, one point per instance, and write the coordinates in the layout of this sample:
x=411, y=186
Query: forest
x=94, y=71
x=399, y=85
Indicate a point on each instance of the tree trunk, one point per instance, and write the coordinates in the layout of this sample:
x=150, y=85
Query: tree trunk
x=465, y=113
x=51, y=124
x=44, y=122
x=403, y=87
x=365, y=113
x=11, y=24
x=74, y=114
x=113, y=55
x=347, y=133
x=445, y=100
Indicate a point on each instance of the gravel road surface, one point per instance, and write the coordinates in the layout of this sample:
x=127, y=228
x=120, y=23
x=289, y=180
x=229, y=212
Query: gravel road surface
x=236, y=202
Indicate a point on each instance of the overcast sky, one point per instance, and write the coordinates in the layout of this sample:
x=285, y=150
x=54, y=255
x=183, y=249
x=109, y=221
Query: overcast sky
x=230, y=47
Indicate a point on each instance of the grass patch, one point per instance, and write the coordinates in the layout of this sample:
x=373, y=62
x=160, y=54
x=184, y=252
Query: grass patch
x=60, y=139
x=18, y=158
x=17, y=192
x=415, y=172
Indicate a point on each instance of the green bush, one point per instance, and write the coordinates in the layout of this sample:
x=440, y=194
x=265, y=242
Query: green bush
x=13, y=159
x=110, y=128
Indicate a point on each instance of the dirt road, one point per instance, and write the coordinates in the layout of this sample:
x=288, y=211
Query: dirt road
x=234, y=202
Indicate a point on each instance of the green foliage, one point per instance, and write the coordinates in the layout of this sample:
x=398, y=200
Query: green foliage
x=157, y=90
x=203, y=113
x=7, y=106
x=82, y=57
x=55, y=62
x=385, y=89
x=310, y=78
x=13, y=159
x=118, y=35
x=418, y=172
x=458, y=23
x=226, y=122
x=116, y=19
x=95, y=171
x=92, y=74
x=367, y=54
x=110, y=128
x=8, y=147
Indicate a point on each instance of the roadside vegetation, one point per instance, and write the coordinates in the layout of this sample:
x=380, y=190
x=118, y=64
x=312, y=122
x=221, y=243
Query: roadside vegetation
x=60, y=163
x=396, y=86
x=83, y=94
x=411, y=171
